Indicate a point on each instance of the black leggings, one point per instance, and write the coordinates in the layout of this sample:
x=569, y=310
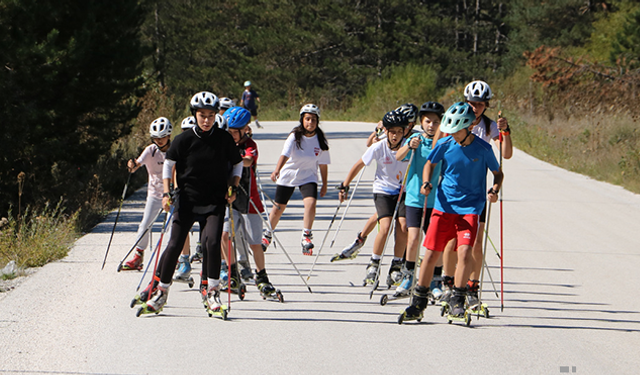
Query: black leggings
x=210, y=238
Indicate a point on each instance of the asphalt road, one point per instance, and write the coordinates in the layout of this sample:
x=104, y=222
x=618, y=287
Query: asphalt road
x=571, y=305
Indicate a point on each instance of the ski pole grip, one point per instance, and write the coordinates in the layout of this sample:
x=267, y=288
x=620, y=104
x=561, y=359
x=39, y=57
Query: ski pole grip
x=342, y=187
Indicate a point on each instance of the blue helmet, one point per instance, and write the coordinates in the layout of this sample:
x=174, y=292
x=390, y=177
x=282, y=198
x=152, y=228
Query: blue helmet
x=237, y=117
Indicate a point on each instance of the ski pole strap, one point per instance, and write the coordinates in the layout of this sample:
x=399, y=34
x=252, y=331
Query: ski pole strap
x=492, y=191
x=342, y=187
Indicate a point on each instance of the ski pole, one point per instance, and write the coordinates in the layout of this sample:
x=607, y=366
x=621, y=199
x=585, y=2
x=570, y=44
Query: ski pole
x=422, y=221
x=323, y=240
x=344, y=214
x=391, y=227
x=233, y=234
x=124, y=192
x=139, y=239
x=484, y=253
x=501, y=232
x=156, y=251
x=276, y=240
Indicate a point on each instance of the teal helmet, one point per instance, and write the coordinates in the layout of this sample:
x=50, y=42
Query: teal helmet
x=459, y=116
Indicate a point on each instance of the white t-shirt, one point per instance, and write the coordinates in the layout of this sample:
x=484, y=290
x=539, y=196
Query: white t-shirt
x=302, y=166
x=389, y=171
x=153, y=159
x=481, y=131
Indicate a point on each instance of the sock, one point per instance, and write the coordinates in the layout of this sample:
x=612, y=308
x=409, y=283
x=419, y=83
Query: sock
x=306, y=232
x=213, y=282
x=163, y=285
x=375, y=257
x=397, y=259
x=410, y=265
x=437, y=271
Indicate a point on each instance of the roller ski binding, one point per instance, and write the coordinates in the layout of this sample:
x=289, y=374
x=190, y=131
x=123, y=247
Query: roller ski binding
x=146, y=293
x=351, y=251
x=267, y=291
x=475, y=306
x=372, y=272
x=234, y=282
x=213, y=304
x=419, y=303
x=395, y=274
x=245, y=272
x=135, y=264
x=447, y=290
x=458, y=311
x=156, y=303
x=307, y=245
x=197, y=256
x=183, y=274
x=403, y=290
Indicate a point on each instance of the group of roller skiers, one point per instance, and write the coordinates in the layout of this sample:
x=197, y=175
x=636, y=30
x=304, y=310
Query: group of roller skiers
x=430, y=181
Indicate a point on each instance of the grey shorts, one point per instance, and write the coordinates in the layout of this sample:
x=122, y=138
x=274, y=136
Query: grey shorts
x=247, y=225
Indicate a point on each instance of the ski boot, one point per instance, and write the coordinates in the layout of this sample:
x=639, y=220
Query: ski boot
x=266, y=288
x=436, y=289
x=245, y=272
x=473, y=302
x=234, y=282
x=307, y=245
x=458, y=311
x=184, y=271
x=372, y=272
x=266, y=240
x=156, y=303
x=258, y=124
x=197, y=256
x=146, y=293
x=417, y=307
x=447, y=291
x=351, y=251
x=213, y=304
x=135, y=264
x=204, y=288
x=403, y=290
x=395, y=273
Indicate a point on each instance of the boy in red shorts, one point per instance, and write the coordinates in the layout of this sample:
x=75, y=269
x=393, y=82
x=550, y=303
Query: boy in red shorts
x=460, y=198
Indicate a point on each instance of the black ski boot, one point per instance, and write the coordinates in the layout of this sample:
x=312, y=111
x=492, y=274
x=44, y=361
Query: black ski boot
x=418, y=305
x=266, y=288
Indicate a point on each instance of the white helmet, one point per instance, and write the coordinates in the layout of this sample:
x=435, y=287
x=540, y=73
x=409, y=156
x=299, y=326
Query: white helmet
x=188, y=123
x=221, y=122
x=478, y=91
x=204, y=100
x=226, y=103
x=160, y=128
x=247, y=83
x=310, y=108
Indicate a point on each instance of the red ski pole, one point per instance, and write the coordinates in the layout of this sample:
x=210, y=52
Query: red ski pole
x=501, y=233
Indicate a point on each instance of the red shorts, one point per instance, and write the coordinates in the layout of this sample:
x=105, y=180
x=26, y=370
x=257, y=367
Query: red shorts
x=443, y=227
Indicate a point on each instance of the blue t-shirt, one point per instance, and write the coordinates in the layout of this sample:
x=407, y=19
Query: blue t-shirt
x=462, y=189
x=414, y=180
x=249, y=99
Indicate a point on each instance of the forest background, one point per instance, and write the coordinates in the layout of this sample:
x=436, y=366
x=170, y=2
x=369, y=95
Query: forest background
x=82, y=80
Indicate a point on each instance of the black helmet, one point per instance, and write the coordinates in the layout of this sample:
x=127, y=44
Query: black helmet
x=410, y=111
x=395, y=118
x=432, y=107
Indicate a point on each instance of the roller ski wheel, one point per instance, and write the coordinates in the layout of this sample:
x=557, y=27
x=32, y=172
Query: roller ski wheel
x=220, y=312
x=483, y=310
x=411, y=313
x=393, y=297
x=444, y=308
x=340, y=256
x=145, y=309
x=143, y=296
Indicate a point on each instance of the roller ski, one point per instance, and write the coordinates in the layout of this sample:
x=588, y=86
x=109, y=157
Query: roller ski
x=416, y=310
x=156, y=303
x=402, y=291
x=183, y=274
x=234, y=282
x=135, y=264
x=351, y=251
x=204, y=288
x=447, y=291
x=197, y=256
x=394, y=278
x=475, y=306
x=213, y=304
x=143, y=296
x=458, y=311
x=372, y=272
x=267, y=291
x=307, y=245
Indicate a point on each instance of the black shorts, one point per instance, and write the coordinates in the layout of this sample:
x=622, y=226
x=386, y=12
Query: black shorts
x=254, y=112
x=284, y=193
x=414, y=218
x=386, y=205
x=483, y=215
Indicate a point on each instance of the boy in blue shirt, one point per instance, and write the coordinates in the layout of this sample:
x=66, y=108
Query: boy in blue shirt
x=460, y=198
